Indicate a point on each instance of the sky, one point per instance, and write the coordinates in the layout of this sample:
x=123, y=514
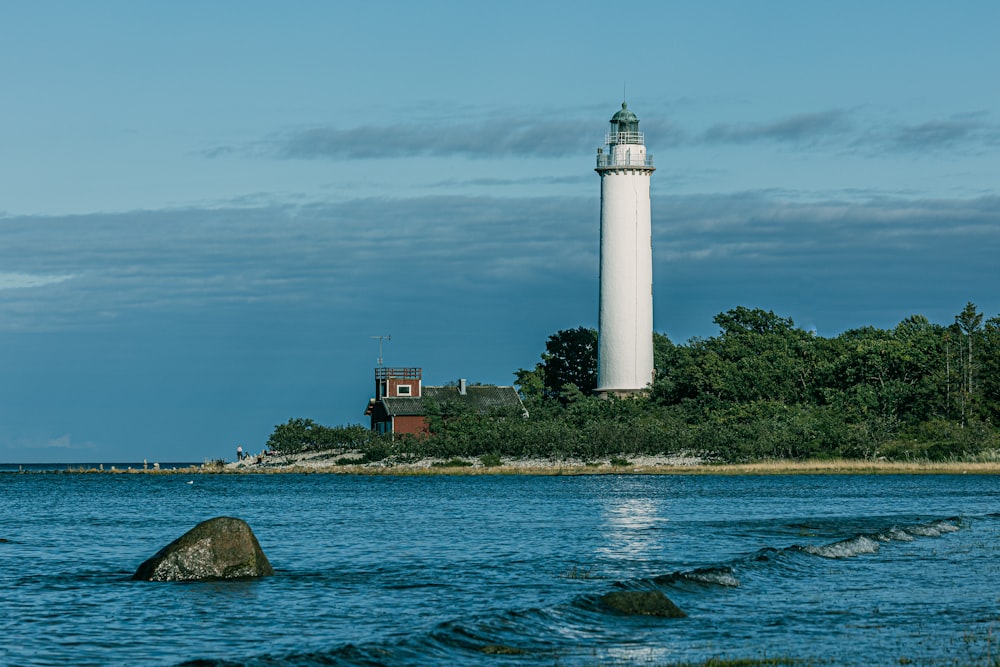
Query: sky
x=208, y=209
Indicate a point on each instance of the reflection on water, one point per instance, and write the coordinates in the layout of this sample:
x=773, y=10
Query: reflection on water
x=630, y=528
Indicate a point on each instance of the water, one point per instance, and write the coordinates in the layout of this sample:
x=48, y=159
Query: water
x=496, y=570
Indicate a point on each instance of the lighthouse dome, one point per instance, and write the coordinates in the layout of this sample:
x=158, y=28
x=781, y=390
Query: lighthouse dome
x=625, y=115
x=624, y=127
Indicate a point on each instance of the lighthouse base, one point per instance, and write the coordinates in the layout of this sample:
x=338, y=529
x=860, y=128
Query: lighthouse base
x=603, y=392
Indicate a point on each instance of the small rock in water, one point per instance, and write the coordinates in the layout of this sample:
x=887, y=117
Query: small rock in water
x=500, y=649
x=220, y=548
x=644, y=603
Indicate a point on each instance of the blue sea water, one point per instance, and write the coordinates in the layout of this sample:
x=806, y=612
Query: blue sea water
x=846, y=570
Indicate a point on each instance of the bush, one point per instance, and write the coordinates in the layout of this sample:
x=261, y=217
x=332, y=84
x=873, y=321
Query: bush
x=490, y=460
x=377, y=450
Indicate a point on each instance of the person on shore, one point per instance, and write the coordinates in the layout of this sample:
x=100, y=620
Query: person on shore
x=239, y=452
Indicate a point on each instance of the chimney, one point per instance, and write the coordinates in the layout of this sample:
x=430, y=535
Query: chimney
x=462, y=386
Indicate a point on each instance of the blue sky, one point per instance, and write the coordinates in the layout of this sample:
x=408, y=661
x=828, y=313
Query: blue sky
x=208, y=209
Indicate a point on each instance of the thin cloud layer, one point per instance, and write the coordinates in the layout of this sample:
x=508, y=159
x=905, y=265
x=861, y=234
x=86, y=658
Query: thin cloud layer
x=512, y=137
x=958, y=132
x=429, y=252
x=331, y=254
x=854, y=131
x=808, y=129
x=28, y=280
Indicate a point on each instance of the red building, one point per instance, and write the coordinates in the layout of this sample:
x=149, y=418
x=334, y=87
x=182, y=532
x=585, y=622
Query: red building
x=401, y=400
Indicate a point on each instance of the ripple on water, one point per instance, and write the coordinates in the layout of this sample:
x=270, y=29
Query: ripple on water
x=474, y=571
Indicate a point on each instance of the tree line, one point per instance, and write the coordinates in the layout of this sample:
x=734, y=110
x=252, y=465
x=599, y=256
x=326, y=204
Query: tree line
x=761, y=388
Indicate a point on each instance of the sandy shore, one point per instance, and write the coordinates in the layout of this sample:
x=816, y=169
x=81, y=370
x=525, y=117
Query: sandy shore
x=351, y=463
x=334, y=463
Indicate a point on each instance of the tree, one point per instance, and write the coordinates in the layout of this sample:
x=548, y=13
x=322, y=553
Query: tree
x=295, y=436
x=766, y=357
x=969, y=322
x=531, y=383
x=989, y=366
x=571, y=358
x=299, y=435
x=742, y=320
x=664, y=353
x=923, y=348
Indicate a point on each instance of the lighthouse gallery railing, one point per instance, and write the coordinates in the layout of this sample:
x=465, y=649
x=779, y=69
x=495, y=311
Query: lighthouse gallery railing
x=613, y=138
x=629, y=159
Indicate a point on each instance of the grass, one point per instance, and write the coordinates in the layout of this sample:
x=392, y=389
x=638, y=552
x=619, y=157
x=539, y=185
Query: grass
x=452, y=463
x=851, y=467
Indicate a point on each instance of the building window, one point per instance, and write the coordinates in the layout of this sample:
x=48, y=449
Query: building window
x=403, y=390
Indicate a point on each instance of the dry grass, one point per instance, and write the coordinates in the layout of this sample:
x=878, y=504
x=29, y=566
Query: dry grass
x=777, y=467
x=850, y=467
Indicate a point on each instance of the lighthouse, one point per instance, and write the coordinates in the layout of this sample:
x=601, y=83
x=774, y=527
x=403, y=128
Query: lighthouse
x=625, y=324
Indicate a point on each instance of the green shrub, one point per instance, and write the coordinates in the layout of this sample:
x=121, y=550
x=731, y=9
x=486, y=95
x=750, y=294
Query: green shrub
x=490, y=460
x=375, y=451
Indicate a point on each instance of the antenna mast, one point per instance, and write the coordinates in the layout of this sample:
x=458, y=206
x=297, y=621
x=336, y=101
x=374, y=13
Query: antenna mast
x=380, y=339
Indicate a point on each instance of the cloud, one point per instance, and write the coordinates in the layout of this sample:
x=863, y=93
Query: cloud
x=27, y=280
x=802, y=129
x=441, y=253
x=60, y=443
x=957, y=132
x=836, y=264
x=518, y=137
x=549, y=134
x=556, y=135
x=513, y=182
x=756, y=225
x=268, y=257
x=855, y=132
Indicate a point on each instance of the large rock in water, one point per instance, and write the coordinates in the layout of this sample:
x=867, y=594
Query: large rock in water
x=643, y=603
x=220, y=548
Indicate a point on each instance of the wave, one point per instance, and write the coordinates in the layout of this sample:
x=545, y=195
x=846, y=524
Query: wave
x=869, y=543
x=728, y=574
x=933, y=529
x=718, y=575
x=854, y=546
x=555, y=633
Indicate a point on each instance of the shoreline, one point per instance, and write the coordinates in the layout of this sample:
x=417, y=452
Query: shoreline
x=335, y=464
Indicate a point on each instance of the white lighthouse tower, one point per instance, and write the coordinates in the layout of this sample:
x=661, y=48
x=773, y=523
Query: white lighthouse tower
x=625, y=343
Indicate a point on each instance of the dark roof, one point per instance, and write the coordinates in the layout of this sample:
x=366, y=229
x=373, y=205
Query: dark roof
x=482, y=399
